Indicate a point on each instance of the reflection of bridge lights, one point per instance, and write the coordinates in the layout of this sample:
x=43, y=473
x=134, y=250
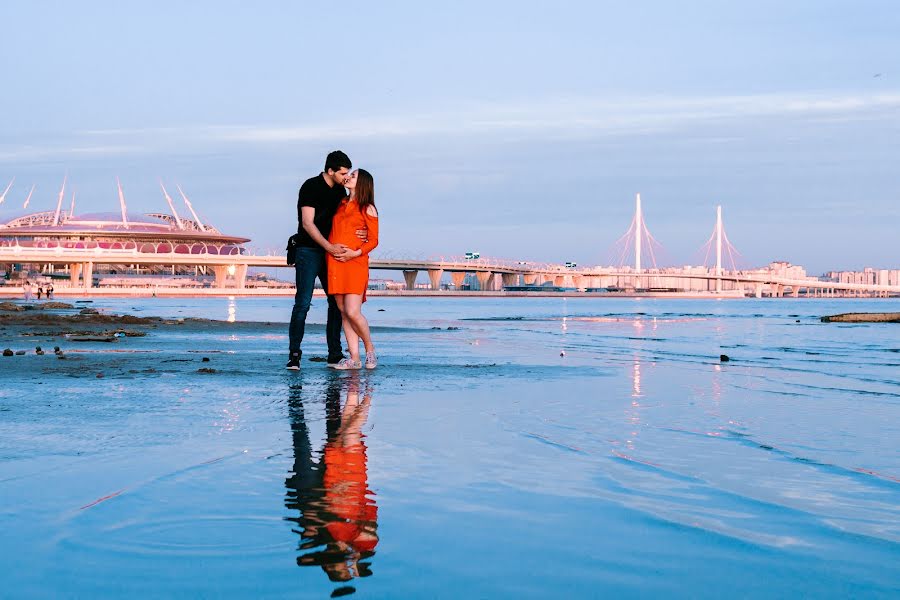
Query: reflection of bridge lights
x=633, y=414
x=232, y=309
x=638, y=324
x=636, y=379
x=717, y=384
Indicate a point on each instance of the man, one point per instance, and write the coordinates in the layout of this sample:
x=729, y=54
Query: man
x=317, y=202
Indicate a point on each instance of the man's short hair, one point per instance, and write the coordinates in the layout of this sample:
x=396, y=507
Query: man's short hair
x=336, y=160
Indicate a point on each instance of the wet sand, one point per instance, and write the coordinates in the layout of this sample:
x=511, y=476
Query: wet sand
x=538, y=451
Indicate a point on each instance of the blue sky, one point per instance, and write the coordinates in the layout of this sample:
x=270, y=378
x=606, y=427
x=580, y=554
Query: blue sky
x=519, y=129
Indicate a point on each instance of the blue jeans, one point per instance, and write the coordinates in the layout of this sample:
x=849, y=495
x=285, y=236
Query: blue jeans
x=310, y=263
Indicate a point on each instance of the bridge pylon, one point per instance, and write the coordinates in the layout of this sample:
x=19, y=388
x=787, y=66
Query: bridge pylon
x=639, y=240
x=722, y=245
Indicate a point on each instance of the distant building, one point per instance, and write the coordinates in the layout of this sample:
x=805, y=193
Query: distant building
x=868, y=276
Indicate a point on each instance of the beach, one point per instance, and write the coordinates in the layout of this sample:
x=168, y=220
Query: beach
x=508, y=447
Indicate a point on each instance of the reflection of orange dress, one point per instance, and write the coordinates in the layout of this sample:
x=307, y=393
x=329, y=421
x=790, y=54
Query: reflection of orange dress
x=347, y=495
x=351, y=277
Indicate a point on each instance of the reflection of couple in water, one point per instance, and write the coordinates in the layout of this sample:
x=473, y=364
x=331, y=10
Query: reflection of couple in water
x=338, y=515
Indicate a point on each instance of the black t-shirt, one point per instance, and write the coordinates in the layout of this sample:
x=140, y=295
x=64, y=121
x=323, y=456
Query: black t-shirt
x=316, y=193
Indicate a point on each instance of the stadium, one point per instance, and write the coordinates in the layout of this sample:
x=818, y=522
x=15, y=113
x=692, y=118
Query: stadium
x=138, y=245
x=155, y=233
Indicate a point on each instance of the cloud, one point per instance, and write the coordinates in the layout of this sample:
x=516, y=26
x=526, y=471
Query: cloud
x=576, y=117
x=555, y=118
x=51, y=151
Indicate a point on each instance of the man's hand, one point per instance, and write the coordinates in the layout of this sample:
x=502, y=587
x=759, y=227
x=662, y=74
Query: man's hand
x=363, y=234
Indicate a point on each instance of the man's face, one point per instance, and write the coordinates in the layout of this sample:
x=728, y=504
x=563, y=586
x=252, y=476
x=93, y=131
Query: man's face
x=339, y=176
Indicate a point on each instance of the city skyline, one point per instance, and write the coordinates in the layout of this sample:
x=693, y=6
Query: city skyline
x=523, y=134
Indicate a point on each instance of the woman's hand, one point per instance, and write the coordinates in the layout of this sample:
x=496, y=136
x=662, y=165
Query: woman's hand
x=348, y=255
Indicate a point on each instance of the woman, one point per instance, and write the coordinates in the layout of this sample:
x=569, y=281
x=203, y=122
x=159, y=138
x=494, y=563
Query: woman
x=348, y=276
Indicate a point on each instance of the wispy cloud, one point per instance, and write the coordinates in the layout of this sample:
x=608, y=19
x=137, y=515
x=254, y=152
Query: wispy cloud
x=60, y=151
x=543, y=119
x=578, y=117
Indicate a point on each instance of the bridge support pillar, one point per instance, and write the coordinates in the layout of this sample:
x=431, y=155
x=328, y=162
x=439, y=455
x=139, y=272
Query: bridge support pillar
x=74, y=274
x=221, y=272
x=579, y=281
x=458, y=278
x=795, y=291
x=240, y=276
x=485, y=279
x=509, y=279
x=559, y=281
x=758, y=291
x=530, y=278
x=410, y=277
x=435, y=276
x=87, y=274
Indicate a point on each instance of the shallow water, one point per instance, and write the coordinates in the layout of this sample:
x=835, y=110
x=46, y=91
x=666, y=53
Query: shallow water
x=545, y=448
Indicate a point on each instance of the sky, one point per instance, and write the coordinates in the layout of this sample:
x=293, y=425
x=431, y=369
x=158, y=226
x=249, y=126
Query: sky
x=521, y=130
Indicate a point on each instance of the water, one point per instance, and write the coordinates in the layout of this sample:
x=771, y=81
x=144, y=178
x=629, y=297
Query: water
x=545, y=448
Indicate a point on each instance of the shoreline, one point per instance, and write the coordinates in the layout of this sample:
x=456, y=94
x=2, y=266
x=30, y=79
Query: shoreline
x=17, y=294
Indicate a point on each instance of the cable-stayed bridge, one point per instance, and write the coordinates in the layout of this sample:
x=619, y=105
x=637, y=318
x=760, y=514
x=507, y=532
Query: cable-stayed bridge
x=635, y=246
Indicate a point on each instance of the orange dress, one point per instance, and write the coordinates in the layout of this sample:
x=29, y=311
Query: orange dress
x=351, y=277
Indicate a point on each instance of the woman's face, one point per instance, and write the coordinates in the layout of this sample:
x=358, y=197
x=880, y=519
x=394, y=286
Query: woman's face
x=350, y=182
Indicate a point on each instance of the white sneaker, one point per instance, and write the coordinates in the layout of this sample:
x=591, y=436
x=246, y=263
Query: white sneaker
x=348, y=364
x=371, y=360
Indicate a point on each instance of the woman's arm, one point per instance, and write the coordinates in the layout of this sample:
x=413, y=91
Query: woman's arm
x=371, y=218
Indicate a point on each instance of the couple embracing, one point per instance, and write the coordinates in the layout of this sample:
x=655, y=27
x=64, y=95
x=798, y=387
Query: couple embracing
x=336, y=232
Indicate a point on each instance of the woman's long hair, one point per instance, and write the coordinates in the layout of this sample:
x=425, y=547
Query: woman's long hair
x=365, y=190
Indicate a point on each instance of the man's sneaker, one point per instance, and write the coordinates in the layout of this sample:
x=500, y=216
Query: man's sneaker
x=371, y=360
x=347, y=364
x=294, y=362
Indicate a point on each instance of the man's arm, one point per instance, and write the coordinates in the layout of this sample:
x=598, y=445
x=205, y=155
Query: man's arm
x=307, y=220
